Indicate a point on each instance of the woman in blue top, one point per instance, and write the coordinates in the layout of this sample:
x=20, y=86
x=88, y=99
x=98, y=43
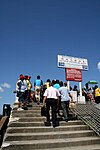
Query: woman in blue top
x=37, y=88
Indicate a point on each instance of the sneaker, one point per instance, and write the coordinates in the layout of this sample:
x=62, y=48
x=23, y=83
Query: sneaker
x=66, y=120
x=54, y=125
x=24, y=108
x=38, y=103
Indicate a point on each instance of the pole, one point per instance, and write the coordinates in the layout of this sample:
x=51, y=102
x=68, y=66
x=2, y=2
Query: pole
x=80, y=87
x=68, y=85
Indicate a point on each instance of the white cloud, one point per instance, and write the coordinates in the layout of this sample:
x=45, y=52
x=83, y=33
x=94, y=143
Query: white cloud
x=6, y=85
x=1, y=89
x=98, y=65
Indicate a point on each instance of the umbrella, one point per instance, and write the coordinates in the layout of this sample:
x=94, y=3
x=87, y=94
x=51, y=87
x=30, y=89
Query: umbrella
x=92, y=82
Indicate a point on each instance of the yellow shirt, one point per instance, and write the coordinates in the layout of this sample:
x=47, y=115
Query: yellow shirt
x=47, y=84
x=97, y=92
x=29, y=85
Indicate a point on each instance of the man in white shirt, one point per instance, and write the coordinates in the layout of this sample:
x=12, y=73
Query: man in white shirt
x=51, y=98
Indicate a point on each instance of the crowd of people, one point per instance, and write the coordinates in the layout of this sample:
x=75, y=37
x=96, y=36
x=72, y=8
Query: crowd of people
x=53, y=94
x=23, y=91
x=91, y=94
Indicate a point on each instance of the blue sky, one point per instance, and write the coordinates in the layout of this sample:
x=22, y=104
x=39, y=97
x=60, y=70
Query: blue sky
x=34, y=32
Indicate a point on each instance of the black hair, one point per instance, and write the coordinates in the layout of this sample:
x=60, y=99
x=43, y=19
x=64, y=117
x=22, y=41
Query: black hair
x=38, y=77
x=61, y=83
x=48, y=80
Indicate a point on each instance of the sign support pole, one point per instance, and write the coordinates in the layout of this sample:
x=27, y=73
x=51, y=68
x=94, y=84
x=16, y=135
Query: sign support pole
x=68, y=85
x=80, y=87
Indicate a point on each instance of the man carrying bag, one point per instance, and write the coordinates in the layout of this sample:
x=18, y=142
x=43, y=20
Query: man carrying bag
x=51, y=98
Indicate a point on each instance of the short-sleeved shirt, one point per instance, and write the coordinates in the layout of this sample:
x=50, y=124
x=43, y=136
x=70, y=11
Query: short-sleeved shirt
x=22, y=85
x=51, y=92
x=29, y=85
x=64, y=94
x=57, y=86
x=97, y=92
x=38, y=82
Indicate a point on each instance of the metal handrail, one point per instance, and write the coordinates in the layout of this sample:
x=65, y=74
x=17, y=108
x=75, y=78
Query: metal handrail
x=90, y=115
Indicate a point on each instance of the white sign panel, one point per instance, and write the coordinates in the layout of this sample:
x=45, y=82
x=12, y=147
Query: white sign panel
x=74, y=95
x=72, y=62
x=81, y=100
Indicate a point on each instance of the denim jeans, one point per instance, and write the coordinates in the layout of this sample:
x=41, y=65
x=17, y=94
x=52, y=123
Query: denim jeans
x=65, y=106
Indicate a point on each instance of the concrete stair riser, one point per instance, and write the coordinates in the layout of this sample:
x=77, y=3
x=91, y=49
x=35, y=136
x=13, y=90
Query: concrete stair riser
x=45, y=129
x=42, y=119
x=35, y=124
x=32, y=119
x=26, y=111
x=47, y=135
x=26, y=115
x=56, y=143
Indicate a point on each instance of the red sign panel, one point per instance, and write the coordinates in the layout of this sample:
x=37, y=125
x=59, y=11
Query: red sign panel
x=73, y=74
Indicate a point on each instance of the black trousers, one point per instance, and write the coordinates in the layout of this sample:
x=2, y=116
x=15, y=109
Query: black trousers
x=50, y=102
x=97, y=99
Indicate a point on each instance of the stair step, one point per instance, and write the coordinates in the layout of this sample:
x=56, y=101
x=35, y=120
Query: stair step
x=35, y=124
x=39, y=118
x=55, y=143
x=30, y=114
x=48, y=135
x=46, y=129
x=84, y=147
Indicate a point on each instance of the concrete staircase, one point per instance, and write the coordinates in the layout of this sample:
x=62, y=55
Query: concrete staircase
x=26, y=131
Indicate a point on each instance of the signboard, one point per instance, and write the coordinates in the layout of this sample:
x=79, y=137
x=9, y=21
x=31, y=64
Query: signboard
x=73, y=74
x=72, y=62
